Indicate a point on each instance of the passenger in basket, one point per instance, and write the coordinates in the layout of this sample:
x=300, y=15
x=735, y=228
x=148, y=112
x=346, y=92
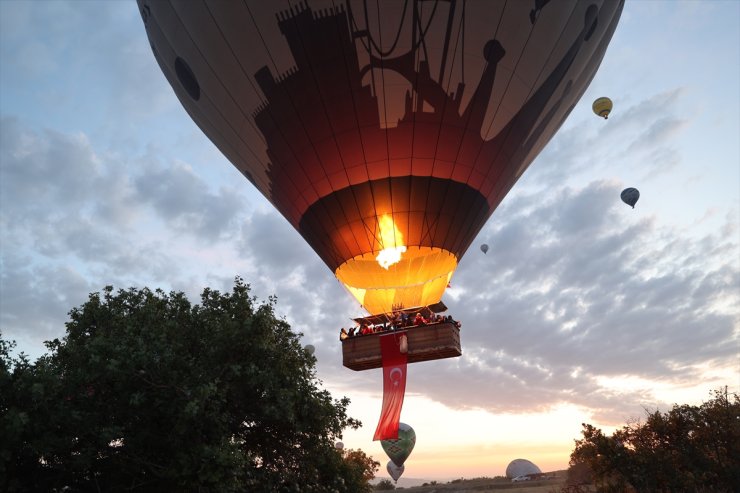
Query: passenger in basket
x=396, y=321
x=343, y=334
x=419, y=320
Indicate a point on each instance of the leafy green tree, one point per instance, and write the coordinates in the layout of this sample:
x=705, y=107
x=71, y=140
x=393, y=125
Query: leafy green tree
x=690, y=448
x=148, y=392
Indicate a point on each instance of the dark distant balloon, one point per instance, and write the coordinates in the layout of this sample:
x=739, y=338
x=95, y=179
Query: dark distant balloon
x=602, y=107
x=484, y=248
x=387, y=132
x=630, y=196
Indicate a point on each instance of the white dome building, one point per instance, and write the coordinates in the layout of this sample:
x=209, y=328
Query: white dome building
x=521, y=467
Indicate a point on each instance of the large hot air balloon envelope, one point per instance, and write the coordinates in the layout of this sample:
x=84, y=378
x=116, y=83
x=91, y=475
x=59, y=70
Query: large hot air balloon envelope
x=602, y=107
x=386, y=132
x=630, y=196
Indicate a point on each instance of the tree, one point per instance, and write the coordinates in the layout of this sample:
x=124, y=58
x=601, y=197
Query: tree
x=15, y=386
x=385, y=485
x=148, y=392
x=359, y=470
x=690, y=448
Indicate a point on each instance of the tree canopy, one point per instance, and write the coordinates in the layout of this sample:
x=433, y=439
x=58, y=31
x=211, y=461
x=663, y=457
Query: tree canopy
x=689, y=448
x=149, y=392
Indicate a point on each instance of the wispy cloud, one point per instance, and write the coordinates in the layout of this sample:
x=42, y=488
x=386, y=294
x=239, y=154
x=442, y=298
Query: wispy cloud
x=572, y=291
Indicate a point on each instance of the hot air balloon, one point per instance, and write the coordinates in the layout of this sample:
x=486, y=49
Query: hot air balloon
x=602, y=107
x=394, y=471
x=339, y=446
x=484, y=248
x=399, y=450
x=630, y=196
x=310, y=349
x=386, y=136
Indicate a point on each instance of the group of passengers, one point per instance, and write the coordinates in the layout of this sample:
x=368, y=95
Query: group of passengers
x=398, y=321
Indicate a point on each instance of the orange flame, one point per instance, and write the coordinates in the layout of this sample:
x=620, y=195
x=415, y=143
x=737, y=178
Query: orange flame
x=392, y=242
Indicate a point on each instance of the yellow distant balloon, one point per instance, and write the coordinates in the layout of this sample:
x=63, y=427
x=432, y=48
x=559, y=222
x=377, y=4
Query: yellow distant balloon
x=602, y=107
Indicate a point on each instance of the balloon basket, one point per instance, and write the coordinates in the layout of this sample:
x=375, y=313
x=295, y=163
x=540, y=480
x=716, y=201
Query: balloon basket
x=425, y=343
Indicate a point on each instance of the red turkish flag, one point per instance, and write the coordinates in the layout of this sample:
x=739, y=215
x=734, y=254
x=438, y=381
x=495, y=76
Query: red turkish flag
x=394, y=386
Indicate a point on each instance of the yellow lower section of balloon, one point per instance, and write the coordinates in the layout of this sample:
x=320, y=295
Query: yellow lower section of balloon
x=418, y=278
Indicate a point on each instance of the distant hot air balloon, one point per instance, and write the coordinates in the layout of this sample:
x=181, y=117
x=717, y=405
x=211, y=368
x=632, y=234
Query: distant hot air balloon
x=630, y=196
x=339, y=446
x=394, y=471
x=310, y=349
x=484, y=248
x=399, y=450
x=602, y=107
x=387, y=153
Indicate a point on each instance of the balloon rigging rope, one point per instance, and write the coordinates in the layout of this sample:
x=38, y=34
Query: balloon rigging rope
x=371, y=41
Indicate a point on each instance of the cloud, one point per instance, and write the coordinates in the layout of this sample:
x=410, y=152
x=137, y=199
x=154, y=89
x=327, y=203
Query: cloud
x=571, y=294
x=56, y=79
x=309, y=295
x=75, y=219
x=48, y=172
x=660, y=131
x=36, y=299
x=185, y=201
x=642, y=136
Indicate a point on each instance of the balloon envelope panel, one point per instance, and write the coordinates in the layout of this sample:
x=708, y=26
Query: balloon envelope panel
x=384, y=131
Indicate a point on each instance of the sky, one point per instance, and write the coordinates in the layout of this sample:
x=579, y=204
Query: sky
x=583, y=309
